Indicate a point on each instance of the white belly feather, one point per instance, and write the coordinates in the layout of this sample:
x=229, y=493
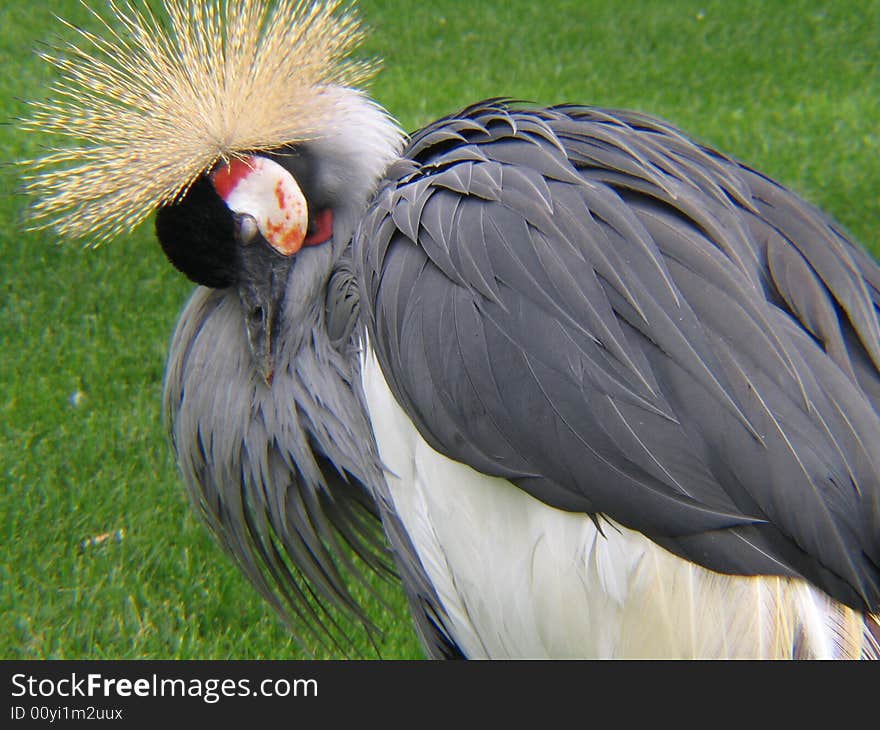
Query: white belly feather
x=521, y=579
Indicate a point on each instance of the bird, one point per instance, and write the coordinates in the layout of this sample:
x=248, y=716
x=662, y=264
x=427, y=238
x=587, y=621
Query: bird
x=586, y=386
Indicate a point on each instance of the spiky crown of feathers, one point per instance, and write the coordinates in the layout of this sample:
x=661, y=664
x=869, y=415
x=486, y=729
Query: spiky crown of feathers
x=157, y=100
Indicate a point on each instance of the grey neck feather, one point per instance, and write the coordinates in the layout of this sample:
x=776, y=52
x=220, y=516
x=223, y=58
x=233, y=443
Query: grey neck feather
x=277, y=473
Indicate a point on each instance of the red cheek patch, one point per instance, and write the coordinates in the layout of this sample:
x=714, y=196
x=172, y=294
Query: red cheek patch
x=323, y=229
x=226, y=178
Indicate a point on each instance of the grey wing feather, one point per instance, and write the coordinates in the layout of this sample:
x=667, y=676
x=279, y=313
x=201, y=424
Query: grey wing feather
x=625, y=323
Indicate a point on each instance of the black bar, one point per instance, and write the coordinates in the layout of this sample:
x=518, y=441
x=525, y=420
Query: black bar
x=429, y=694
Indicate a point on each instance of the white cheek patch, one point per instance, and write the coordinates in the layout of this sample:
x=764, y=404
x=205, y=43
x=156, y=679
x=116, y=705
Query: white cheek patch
x=266, y=191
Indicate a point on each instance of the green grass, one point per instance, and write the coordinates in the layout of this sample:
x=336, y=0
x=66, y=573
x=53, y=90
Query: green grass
x=790, y=87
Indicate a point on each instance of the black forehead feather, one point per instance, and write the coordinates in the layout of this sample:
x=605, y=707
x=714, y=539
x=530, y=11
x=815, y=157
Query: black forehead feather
x=197, y=234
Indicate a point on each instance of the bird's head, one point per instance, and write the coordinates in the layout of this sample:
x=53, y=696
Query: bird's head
x=240, y=123
x=240, y=225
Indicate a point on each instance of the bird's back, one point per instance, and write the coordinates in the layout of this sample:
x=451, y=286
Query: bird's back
x=633, y=331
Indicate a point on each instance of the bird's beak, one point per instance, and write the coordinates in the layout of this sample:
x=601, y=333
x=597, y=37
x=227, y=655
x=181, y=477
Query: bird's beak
x=272, y=220
x=261, y=290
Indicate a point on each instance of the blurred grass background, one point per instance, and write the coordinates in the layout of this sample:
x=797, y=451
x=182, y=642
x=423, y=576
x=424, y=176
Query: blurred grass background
x=789, y=86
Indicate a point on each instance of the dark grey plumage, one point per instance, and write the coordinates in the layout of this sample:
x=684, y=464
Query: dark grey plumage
x=627, y=324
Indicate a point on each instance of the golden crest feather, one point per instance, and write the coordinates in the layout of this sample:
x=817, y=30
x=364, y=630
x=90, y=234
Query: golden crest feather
x=158, y=99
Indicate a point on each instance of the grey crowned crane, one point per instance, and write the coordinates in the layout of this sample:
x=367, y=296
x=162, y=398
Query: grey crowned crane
x=610, y=392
